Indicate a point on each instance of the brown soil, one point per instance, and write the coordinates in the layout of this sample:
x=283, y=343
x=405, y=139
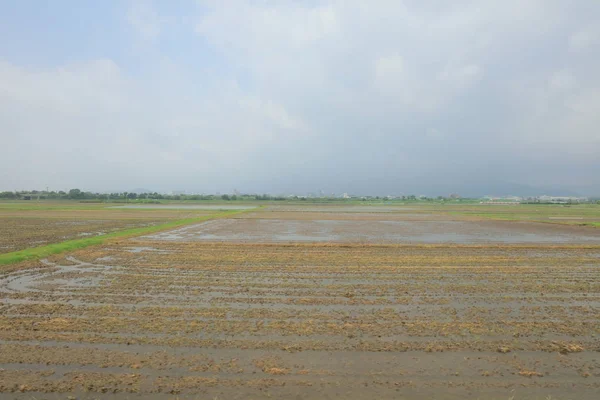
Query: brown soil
x=21, y=229
x=160, y=319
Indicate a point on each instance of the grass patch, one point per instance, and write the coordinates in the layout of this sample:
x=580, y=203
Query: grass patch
x=35, y=253
x=504, y=217
x=576, y=215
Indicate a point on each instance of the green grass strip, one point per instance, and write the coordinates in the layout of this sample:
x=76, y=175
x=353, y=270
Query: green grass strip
x=35, y=253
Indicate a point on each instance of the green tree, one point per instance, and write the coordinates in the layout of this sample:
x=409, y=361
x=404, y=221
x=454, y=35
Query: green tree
x=8, y=195
x=75, y=194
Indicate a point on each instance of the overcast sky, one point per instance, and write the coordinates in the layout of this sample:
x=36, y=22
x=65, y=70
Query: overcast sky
x=382, y=96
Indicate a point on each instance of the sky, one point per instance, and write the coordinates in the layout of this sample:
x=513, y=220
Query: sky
x=366, y=97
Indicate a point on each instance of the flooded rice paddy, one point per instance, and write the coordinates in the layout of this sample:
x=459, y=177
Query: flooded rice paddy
x=379, y=231
x=184, y=207
x=285, y=304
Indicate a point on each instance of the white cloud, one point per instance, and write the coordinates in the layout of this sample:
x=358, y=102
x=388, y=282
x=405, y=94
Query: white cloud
x=585, y=38
x=559, y=117
x=72, y=89
x=320, y=86
x=562, y=80
x=586, y=105
x=461, y=76
x=278, y=26
x=91, y=119
x=411, y=56
x=435, y=134
x=388, y=69
x=144, y=18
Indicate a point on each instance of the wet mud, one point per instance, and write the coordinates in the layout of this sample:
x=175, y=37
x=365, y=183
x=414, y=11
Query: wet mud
x=147, y=318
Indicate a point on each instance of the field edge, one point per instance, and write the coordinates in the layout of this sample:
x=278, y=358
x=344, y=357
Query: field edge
x=34, y=253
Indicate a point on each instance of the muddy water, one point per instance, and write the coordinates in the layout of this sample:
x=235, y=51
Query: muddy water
x=269, y=230
x=186, y=207
x=166, y=320
x=344, y=209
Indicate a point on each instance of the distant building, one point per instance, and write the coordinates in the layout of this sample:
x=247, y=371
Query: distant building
x=454, y=196
x=508, y=203
x=501, y=200
x=535, y=199
x=513, y=198
x=561, y=199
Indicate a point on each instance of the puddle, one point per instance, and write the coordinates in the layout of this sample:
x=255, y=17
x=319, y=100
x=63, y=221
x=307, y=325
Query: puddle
x=345, y=209
x=186, y=207
x=463, y=232
x=141, y=249
x=86, y=234
x=81, y=275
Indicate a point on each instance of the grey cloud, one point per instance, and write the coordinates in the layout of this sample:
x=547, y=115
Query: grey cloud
x=387, y=97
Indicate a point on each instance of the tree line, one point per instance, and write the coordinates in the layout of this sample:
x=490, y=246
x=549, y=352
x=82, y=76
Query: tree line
x=78, y=194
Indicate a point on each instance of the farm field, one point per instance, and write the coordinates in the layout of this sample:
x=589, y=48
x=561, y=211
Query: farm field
x=311, y=303
x=30, y=226
x=368, y=230
x=577, y=214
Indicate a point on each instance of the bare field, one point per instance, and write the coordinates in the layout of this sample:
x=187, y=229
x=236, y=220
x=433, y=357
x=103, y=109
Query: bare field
x=20, y=229
x=206, y=320
x=575, y=214
x=223, y=310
